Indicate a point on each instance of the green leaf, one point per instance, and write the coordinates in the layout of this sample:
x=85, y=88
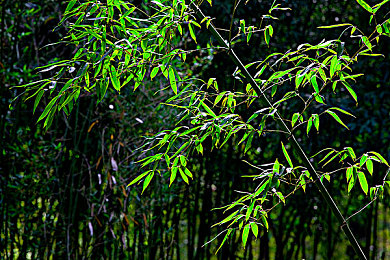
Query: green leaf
x=334, y=25
x=173, y=175
x=309, y=125
x=370, y=166
x=249, y=211
x=249, y=142
x=207, y=108
x=363, y=181
x=225, y=238
x=351, y=152
x=367, y=42
x=184, y=176
x=380, y=157
x=154, y=72
x=281, y=197
x=363, y=160
x=147, y=181
x=188, y=173
x=316, y=120
x=287, y=156
x=365, y=5
x=242, y=25
x=351, y=180
x=218, y=98
x=294, y=119
x=333, y=65
x=342, y=111
x=227, y=219
x=255, y=229
x=350, y=90
x=48, y=108
x=245, y=234
x=37, y=99
x=249, y=35
x=139, y=177
x=192, y=33
x=335, y=116
x=349, y=173
x=314, y=83
x=299, y=77
x=267, y=35
x=262, y=187
x=172, y=79
x=264, y=218
x=276, y=166
x=114, y=79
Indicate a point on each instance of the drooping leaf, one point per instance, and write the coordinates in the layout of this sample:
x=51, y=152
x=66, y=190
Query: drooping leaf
x=363, y=181
x=370, y=166
x=365, y=5
x=183, y=175
x=294, y=119
x=380, y=157
x=335, y=116
x=245, y=234
x=255, y=229
x=172, y=79
x=287, y=156
x=139, y=177
x=147, y=181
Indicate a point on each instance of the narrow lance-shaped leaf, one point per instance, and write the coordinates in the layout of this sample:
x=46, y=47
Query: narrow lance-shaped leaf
x=114, y=79
x=363, y=181
x=172, y=79
x=370, y=166
x=287, y=156
x=192, y=33
x=184, y=176
x=245, y=234
x=147, y=181
x=48, y=108
x=139, y=177
x=335, y=116
x=255, y=229
x=365, y=5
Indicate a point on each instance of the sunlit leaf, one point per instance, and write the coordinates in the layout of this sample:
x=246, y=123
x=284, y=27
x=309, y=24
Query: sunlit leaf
x=255, y=229
x=365, y=5
x=363, y=181
x=245, y=234
x=287, y=156
x=147, y=181
x=335, y=116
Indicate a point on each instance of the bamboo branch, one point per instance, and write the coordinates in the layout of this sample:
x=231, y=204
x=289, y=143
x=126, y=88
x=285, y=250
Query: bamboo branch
x=297, y=147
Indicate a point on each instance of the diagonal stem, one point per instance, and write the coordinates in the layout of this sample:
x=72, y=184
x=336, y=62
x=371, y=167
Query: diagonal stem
x=297, y=147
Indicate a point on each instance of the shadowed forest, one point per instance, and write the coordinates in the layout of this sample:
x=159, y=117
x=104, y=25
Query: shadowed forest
x=129, y=129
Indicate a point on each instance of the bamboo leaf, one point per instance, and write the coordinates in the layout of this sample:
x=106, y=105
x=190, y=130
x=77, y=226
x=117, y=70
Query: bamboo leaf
x=245, y=234
x=336, y=117
x=48, y=108
x=147, y=181
x=363, y=181
x=365, y=5
x=287, y=156
x=255, y=229
x=172, y=79
x=370, y=166
x=139, y=177
x=334, y=26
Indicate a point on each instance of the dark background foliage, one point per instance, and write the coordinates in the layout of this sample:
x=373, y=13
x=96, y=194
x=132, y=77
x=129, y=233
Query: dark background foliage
x=63, y=193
